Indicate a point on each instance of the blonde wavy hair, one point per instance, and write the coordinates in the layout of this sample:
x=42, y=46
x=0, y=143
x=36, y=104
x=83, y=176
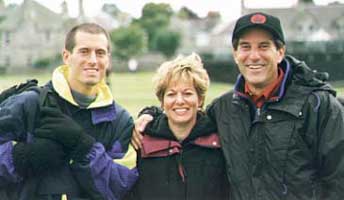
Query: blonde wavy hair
x=187, y=68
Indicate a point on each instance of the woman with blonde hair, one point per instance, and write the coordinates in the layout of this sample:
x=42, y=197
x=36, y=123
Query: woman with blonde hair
x=181, y=154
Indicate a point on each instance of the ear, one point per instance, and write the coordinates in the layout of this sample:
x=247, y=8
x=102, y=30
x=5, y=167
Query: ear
x=65, y=56
x=281, y=54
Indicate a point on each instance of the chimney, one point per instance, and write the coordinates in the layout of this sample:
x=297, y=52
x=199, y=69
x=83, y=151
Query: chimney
x=81, y=9
x=64, y=9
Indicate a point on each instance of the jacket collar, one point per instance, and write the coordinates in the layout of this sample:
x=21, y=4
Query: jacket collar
x=299, y=81
x=159, y=128
x=61, y=86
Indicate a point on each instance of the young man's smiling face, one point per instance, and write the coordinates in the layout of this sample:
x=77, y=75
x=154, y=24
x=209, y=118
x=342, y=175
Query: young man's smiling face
x=88, y=60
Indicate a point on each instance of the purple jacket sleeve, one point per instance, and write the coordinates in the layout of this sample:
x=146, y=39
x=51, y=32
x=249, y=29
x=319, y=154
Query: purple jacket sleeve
x=7, y=171
x=107, y=175
x=16, y=113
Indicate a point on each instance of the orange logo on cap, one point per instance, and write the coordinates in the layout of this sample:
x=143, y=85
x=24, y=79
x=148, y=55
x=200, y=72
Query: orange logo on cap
x=258, y=19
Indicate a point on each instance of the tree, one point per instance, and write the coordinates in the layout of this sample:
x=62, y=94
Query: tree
x=155, y=17
x=128, y=42
x=167, y=42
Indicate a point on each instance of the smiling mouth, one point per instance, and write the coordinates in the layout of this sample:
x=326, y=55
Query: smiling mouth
x=91, y=69
x=255, y=66
x=180, y=110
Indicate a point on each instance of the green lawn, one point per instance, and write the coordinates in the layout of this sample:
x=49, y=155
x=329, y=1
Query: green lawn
x=135, y=90
x=131, y=90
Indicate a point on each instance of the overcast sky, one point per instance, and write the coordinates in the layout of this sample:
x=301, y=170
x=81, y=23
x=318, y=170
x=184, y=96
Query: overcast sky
x=229, y=9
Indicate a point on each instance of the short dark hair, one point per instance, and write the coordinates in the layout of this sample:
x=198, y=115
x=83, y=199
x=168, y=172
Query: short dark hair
x=92, y=28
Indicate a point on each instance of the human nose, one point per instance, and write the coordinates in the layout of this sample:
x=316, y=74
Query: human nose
x=179, y=98
x=254, y=54
x=93, y=57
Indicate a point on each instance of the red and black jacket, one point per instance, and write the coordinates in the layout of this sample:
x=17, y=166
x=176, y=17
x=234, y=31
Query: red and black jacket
x=192, y=169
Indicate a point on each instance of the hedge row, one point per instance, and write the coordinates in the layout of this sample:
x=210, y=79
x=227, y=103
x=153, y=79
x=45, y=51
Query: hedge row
x=333, y=63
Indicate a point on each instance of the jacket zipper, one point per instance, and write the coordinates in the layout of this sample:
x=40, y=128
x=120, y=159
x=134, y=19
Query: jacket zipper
x=258, y=112
x=181, y=168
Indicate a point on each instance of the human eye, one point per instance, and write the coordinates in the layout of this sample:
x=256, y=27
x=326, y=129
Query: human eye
x=170, y=94
x=244, y=46
x=101, y=53
x=265, y=45
x=189, y=93
x=83, y=51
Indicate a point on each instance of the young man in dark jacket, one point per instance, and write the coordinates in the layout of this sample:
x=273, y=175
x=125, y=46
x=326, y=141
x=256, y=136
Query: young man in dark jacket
x=77, y=146
x=281, y=128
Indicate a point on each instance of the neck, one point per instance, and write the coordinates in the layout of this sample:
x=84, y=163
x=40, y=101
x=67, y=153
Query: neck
x=256, y=91
x=181, y=131
x=87, y=90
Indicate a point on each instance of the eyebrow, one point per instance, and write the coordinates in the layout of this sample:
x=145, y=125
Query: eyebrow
x=263, y=42
x=97, y=49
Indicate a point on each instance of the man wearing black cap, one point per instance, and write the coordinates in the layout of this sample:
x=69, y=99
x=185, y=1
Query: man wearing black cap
x=281, y=127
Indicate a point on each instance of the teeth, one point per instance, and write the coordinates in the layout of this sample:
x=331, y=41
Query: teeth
x=254, y=66
x=91, y=69
x=180, y=110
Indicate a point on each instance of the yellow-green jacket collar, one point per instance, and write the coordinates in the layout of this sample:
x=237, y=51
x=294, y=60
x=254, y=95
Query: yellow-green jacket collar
x=61, y=86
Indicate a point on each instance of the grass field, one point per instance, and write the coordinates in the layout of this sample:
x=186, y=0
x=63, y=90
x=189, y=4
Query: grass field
x=132, y=90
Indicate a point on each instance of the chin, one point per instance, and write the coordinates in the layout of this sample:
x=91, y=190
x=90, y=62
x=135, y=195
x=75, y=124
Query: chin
x=91, y=83
x=183, y=121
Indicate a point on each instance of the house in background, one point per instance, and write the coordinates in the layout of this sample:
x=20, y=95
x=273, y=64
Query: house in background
x=30, y=32
x=309, y=22
x=195, y=31
x=314, y=34
x=110, y=17
x=302, y=23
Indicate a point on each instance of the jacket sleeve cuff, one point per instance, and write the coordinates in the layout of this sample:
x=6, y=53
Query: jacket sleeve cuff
x=111, y=178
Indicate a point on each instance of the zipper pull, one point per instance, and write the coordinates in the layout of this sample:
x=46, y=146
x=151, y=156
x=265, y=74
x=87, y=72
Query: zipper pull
x=181, y=171
x=258, y=112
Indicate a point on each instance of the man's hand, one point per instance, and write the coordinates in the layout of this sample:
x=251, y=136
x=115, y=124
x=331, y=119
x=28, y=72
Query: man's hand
x=38, y=157
x=63, y=129
x=140, y=125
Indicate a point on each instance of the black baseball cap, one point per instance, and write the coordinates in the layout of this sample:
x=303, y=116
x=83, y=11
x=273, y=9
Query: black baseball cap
x=261, y=20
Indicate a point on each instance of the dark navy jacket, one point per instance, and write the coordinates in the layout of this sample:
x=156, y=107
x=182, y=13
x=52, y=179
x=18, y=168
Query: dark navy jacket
x=109, y=169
